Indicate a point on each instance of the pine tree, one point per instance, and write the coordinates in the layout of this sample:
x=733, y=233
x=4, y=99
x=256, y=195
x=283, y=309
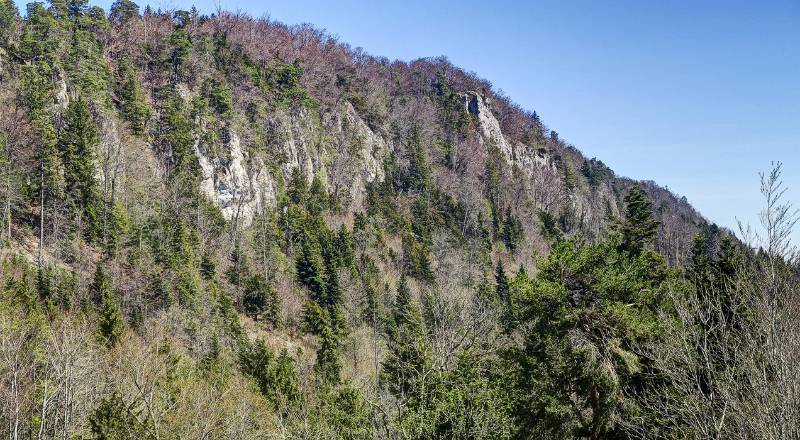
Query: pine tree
x=77, y=146
x=638, y=229
x=123, y=10
x=111, y=321
x=501, y=282
x=133, y=106
x=408, y=357
x=309, y=267
x=237, y=271
x=112, y=420
x=261, y=299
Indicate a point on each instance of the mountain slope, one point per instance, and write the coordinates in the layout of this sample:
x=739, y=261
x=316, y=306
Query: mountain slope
x=197, y=206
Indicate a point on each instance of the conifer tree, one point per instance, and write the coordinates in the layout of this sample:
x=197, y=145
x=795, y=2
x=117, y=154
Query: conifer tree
x=8, y=18
x=317, y=197
x=501, y=282
x=297, y=188
x=208, y=268
x=237, y=271
x=112, y=323
x=101, y=284
x=408, y=357
x=328, y=365
x=261, y=299
x=77, y=146
x=181, y=47
x=123, y=10
x=511, y=232
x=419, y=173
x=309, y=267
x=112, y=420
x=133, y=105
x=638, y=229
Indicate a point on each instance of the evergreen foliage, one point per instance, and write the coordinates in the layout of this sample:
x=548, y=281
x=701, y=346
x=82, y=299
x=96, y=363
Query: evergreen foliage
x=77, y=147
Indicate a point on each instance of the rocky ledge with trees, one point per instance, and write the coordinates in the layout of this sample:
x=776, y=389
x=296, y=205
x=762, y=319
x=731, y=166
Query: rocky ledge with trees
x=214, y=226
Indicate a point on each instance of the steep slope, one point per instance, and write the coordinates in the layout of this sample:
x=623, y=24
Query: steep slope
x=208, y=182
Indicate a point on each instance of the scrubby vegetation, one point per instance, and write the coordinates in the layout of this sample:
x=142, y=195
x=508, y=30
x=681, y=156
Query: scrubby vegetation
x=220, y=227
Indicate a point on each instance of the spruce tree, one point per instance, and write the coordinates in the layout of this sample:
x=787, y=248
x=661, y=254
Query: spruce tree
x=297, y=189
x=77, y=145
x=639, y=228
x=101, y=285
x=501, y=282
x=408, y=357
x=123, y=10
x=309, y=267
x=112, y=420
x=208, y=267
x=237, y=271
x=261, y=299
x=133, y=106
x=8, y=18
x=317, y=197
x=511, y=232
x=111, y=321
x=328, y=365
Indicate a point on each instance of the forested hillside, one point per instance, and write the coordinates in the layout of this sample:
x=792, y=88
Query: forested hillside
x=221, y=227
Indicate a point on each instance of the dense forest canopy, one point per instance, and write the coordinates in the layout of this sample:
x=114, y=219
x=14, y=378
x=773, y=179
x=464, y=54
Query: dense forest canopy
x=214, y=226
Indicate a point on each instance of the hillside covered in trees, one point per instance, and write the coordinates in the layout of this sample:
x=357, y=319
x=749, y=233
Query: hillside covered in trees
x=213, y=226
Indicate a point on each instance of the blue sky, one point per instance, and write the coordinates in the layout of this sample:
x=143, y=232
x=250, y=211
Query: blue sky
x=696, y=95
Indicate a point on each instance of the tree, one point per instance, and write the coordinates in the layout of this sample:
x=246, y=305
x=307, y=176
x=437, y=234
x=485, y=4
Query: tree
x=123, y=10
x=511, y=233
x=501, y=282
x=309, y=267
x=328, y=365
x=408, y=361
x=587, y=311
x=8, y=17
x=77, y=145
x=111, y=321
x=112, y=420
x=297, y=188
x=133, y=106
x=638, y=229
x=276, y=377
x=238, y=269
x=260, y=298
x=317, y=197
x=419, y=173
x=181, y=47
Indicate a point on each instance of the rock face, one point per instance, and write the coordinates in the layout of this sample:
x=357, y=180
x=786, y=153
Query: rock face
x=239, y=193
x=520, y=154
x=540, y=169
x=369, y=150
x=524, y=156
x=242, y=184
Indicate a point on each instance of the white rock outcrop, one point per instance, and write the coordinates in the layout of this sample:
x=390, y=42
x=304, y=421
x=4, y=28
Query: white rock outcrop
x=239, y=192
x=524, y=156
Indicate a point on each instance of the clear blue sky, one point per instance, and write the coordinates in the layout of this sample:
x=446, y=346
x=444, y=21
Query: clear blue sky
x=696, y=95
